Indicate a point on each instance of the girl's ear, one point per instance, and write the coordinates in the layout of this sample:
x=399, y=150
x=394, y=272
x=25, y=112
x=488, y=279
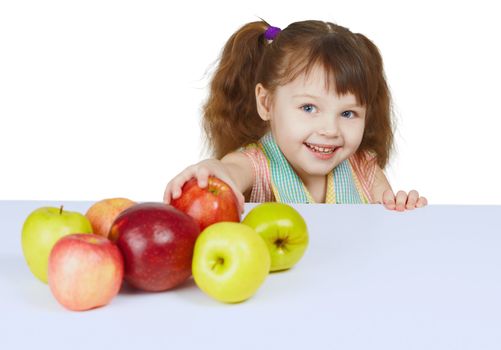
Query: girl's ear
x=263, y=102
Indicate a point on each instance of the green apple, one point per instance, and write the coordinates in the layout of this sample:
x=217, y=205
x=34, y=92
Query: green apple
x=230, y=261
x=284, y=231
x=42, y=229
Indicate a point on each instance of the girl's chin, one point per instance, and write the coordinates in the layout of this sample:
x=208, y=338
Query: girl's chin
x=317, y=171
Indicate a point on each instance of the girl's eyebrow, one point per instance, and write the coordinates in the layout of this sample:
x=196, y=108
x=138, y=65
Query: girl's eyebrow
x=307, y=95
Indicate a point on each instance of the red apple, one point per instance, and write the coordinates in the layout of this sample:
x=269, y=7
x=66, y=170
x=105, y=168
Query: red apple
x=85, y=271
x=157, y=243
x=210, y=204
x=102, y=214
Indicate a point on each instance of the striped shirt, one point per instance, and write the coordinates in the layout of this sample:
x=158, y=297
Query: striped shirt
x=262, y=188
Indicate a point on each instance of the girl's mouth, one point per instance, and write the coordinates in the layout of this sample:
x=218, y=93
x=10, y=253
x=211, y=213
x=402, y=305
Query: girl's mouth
x=325, y=149
x=322, y=151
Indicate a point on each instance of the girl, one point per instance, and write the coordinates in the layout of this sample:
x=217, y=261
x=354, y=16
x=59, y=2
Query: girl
x=300, y=115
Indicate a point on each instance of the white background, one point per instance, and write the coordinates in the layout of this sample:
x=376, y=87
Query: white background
x=102, y=98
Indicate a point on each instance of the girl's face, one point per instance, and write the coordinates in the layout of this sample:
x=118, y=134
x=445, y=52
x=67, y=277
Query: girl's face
x=314, y=128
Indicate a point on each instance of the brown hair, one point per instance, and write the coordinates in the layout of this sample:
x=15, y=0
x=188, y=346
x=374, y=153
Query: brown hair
x=230, y=117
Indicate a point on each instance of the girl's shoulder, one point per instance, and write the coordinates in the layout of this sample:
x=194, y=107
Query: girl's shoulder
x=256, y=155
x=253, y=151
x=261, y=190
x=366, y=158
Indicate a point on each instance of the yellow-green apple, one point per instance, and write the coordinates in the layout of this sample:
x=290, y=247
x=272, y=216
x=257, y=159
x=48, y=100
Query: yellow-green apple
x=230, y=262
x=157, y=242
x=214, y=203
x=85, y=271
x=102, y=214
x=284, y=231
x=42, y=229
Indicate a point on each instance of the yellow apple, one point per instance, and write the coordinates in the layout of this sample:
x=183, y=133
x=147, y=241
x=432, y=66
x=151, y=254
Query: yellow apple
x=42, y=229
x=230, y=261
x=284, y=231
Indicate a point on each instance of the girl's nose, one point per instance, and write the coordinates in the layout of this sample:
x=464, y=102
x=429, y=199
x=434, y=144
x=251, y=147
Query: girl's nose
x=330, y=127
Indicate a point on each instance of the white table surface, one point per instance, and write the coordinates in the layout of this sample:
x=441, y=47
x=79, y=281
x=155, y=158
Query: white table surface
x=370, y=279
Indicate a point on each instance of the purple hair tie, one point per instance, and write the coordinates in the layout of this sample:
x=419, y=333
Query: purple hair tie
x=271, y=32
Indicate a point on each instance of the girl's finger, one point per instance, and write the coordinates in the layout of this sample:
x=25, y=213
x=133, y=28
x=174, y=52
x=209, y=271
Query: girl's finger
x=389, y=199
x=241, y=202
x=180, y=180
x=422, y=201
x=412, y=200
x=176, y=193
x=203, y=177
x=167, y=194
x=401, y=199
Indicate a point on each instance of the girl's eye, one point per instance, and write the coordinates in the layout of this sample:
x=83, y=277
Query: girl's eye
x=348, y=114
x=308, y=108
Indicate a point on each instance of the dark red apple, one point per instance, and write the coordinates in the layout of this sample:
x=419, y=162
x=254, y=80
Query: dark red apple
x=214, y=203
x=157, y=242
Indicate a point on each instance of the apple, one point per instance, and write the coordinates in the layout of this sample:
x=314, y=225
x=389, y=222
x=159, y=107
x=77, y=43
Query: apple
x=85, y=271
x=284, y=231
x=42, y=229
x=230, y=262
x=214, y=203
x=102, y=214
x=157, y=242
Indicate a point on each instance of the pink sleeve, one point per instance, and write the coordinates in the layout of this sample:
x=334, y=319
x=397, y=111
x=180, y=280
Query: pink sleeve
x=261, y=189
x=372, y=160
x=365, y=172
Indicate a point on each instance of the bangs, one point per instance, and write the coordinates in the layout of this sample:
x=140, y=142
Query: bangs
x=345, y=68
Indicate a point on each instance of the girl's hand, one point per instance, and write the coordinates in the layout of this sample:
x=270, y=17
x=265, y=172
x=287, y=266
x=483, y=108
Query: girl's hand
x=201, y=171
x=402, y=201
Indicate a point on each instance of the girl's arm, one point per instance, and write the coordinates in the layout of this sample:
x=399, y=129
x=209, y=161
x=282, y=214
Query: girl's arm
x=382, y=193
x=240, y=169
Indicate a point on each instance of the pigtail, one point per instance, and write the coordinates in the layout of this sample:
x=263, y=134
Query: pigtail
x=230, y=119
x=379, y=131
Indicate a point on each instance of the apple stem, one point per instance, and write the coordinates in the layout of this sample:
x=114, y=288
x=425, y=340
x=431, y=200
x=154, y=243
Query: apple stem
x=61, y=209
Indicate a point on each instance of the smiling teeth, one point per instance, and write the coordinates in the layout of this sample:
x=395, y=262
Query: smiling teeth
x=320, y=149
